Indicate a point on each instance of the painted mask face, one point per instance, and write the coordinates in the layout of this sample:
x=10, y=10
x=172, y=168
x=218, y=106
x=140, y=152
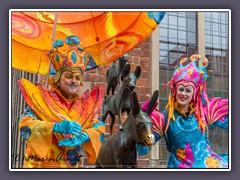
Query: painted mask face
x=69, y=83
x=185, y=91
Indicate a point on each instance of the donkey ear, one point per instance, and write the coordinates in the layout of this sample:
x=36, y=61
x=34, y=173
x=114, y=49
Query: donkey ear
x=125, y=71
x=152, y=102
x=137, y=72
x=134, y=104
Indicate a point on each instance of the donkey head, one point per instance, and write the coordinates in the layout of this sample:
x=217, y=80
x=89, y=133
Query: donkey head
x=142, y=124
x=130, y=80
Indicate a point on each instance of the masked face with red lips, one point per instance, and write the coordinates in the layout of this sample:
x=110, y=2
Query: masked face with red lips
x=69, y=83
x=184, y=95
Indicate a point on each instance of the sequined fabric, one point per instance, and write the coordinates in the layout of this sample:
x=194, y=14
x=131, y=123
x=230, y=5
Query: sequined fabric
x=189, y=147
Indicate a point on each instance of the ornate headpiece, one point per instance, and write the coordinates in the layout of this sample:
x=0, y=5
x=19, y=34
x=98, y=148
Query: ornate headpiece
x=191, y=72
x=68, y=56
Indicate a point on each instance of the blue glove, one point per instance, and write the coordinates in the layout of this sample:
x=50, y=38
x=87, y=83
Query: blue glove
x=75, y=141
x=67, y=127
x=156, y=137
x=142, y=150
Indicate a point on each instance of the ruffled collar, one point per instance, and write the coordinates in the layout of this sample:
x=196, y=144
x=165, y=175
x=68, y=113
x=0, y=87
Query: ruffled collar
x=64, y=101
x=191, y=108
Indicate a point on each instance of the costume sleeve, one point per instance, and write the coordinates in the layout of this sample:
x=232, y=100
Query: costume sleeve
x=38, y=134
x=223, y=123
x=158, y=124
x=216, y=112
x=158, y=121
x=96, y=131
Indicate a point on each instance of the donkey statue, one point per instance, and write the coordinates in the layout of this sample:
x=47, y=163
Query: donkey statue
x=120, y=102
x=120, y=151
x=114, y=73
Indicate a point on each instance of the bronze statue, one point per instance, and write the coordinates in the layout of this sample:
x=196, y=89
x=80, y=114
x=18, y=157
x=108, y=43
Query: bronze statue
x=114, y=73
x=120, y=151
x=120, y=102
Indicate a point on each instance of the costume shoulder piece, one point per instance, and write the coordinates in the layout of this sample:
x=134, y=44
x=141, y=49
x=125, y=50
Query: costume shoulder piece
x=91, y=101
x=48, y=106
x=216, y=109
x=157, y=119
x=35, y=100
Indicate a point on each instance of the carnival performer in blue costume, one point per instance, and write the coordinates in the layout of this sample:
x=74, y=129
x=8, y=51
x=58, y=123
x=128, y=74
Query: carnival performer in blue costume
x=188, y=113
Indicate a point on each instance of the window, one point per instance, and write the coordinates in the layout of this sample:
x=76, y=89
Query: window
x=216, y=43
x=178, y=39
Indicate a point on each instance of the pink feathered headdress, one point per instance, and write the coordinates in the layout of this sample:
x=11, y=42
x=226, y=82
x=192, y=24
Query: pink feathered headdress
x=192, y=73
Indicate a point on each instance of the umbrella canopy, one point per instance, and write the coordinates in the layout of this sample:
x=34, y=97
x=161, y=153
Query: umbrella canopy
x=105, y=35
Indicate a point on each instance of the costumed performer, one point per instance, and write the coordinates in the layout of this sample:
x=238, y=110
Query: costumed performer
x=57, y=122
x=184, y=122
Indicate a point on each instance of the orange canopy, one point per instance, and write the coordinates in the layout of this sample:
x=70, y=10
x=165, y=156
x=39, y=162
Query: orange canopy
x=105, y=35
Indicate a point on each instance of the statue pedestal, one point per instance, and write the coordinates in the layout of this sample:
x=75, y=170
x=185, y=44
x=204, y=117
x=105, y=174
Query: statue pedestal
x=154, y=163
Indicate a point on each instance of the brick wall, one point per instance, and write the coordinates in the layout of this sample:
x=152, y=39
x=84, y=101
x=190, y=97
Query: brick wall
x=138, y=56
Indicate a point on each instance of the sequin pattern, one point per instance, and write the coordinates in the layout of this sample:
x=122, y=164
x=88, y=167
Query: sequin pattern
x=25, y=132
x=73, y=156
x=27, y=112
x=101, y=138
x=189, y=147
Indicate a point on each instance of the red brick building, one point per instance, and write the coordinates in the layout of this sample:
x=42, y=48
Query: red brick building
x=139, y=56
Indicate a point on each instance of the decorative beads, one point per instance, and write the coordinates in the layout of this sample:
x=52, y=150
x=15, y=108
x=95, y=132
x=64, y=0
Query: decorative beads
x=25, y=132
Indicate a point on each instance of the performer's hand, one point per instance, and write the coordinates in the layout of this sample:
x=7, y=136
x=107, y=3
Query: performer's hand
x=74, y=141
x=142, y=150
x=67, y=127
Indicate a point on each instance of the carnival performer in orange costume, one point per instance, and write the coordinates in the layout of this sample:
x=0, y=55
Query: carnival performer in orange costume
x=57, y=122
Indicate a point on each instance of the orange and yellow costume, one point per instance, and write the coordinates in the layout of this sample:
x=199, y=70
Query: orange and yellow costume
x=46, y=107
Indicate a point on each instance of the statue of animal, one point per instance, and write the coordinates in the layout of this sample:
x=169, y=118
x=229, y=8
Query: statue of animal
x=114, y=73
x=120, y=151
x=120, y=102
